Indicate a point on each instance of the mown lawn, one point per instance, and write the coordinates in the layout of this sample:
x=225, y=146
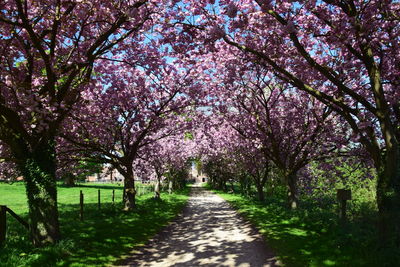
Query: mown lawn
x=104, y=237
x=312, y=235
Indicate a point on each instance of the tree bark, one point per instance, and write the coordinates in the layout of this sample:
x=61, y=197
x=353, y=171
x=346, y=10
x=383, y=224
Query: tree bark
x=170, y=186
x=129, y=189
x=260, y=181
x=69, y=179
x=388, y=198
x=38, y=169
x=259, y=186
x=260, y=192
x=157, y=189
x=291, y=180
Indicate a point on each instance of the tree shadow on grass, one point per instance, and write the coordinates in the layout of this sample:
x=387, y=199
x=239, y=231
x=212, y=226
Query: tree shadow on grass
x=312, y=236
x=104, y=236
x=108, y=235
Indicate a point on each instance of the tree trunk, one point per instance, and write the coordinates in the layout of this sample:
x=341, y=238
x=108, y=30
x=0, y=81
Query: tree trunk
x=170, y=185
x=260, y=181
x=157, y=189
x=271, y=188
x=388, y=198
x=38, y=169
x=248, y=189
x=129, y=189
x=225, y=186
x=260, y=192
x=69, y=179
x=291, y=180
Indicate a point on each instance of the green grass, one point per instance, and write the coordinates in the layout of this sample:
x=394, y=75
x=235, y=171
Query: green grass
x=312, y=235
x=103, y=238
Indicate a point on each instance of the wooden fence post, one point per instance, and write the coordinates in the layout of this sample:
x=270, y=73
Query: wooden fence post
x=81, y=205
x=3, y=224
x=113, y=196
x=98, y=198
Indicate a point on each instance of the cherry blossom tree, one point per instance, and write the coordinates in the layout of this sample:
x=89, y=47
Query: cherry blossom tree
x=230, y=156
x=165, y=156
x=215, y=142
x=48, y=51
x=291, y=129
x=140, y=107
x=252, y=160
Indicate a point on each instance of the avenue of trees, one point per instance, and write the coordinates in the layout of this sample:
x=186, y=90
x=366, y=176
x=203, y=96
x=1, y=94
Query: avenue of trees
x=255, y=89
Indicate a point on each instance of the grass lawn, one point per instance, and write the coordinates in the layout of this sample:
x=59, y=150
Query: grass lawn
x=312, y=236
x=103, y=238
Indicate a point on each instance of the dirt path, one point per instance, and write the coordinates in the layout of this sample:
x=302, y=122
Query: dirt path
x=209, y=233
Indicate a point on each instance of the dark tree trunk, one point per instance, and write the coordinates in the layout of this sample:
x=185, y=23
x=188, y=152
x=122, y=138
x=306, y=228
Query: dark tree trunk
x=259, y=186
x=246, y=186
x=38, y=169
x=211, y=182
x=224, y=185
x=271, y=189
x=388, y=198
x=248, y=189
x=69, y=179
x=260, y=180
x=129, y=189
x=291, y=180
x=260, y=192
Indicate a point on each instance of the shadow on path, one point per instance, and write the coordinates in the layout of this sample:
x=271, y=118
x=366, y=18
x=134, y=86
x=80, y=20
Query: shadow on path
x=208, y=233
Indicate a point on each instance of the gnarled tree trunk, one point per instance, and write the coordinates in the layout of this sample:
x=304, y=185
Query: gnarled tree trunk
x=129, y=189
x=38, y=168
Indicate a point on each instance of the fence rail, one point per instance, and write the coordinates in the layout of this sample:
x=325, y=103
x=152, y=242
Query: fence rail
x=3, y=221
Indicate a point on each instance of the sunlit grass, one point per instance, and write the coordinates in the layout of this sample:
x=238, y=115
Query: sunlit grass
x=104, y=236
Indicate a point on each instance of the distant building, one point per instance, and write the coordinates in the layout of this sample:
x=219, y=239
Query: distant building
x=197, y=176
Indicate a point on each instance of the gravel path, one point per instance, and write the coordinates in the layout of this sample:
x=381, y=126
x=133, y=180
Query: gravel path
x=208, y=233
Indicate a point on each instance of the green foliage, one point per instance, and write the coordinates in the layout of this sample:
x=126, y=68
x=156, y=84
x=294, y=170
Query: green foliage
x=218, y=173
x=103, y=238
x=89, y=168
x=178, y=177
x=188, y=136
x=356, y=177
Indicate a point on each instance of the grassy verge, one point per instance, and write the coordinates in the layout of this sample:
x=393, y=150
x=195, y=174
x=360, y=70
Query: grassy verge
x=312, y=236
x=104, y=236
